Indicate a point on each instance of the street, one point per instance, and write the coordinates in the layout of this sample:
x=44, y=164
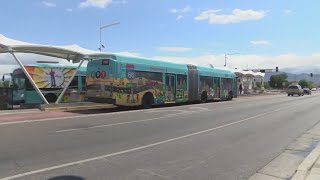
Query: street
x=219, y=140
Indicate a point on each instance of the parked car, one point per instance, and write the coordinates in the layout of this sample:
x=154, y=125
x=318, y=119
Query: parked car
x=295, y=89
x=306, y=91
x=314, y=89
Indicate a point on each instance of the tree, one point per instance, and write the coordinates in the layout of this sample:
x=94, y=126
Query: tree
x=278, y=80
x=304, y=83
x=266, y=85
x=258, y=84
x=6, y=84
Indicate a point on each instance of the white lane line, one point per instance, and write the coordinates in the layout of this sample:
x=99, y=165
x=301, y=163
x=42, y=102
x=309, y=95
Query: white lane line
x=131, y=122
x=143, y=147
x=113, y=113
x=100, y=114
x=164, y=110
x=144, y=120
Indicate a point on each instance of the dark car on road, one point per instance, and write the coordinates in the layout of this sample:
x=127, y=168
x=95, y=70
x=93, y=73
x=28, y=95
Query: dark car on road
x=307, y=91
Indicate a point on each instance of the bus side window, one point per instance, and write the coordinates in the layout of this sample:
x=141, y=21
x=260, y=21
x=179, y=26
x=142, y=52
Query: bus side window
x=74, y=83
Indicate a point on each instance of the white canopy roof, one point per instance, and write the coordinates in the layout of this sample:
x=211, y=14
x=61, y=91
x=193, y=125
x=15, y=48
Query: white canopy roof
x=244, y=73
x=70, y=52
x=250, y=73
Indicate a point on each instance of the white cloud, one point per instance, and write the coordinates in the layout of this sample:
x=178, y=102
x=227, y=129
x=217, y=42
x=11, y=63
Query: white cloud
x=180, y=11
x=174, y=49
x=69, y=10
x=127, y=53
x=293, y=62
x=48, y=4
x=7, y=63
x=260, y=42
x=95, y=3
x=288, y=12
x=7, y=69
x=236, y=16
x=179, y=17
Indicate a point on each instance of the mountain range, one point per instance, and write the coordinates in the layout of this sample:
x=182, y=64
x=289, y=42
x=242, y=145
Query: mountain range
x=295, y=77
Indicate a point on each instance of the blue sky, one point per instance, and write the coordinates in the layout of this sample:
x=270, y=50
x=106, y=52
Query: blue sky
x=265, y=33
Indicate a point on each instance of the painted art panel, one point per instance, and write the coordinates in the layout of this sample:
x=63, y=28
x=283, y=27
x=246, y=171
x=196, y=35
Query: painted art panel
x=50, y=77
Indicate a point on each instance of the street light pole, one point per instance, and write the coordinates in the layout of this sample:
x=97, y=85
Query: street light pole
x=103, y=27
x=225, y=58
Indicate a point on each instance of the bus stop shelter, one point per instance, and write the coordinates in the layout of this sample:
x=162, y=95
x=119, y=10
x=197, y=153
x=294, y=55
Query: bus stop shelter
x=73, y=53
x=248, y=80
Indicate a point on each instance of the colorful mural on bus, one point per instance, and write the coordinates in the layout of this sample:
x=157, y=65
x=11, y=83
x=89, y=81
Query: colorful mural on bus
x=50, y=77
x=127, y=81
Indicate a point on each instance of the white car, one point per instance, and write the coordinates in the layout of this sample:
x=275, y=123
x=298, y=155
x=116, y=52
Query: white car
x=314, y=89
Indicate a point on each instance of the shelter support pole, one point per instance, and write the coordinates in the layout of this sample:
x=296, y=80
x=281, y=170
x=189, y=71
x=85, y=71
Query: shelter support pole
x=30, y=79
x=68, y=84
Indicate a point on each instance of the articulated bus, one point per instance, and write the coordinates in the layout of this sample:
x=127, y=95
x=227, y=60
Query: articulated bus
x=133, y=81
x=50, y=79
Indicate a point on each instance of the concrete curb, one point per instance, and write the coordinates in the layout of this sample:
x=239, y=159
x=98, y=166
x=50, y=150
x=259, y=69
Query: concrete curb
x=307, y=164
x=74, y=108
x=19, y=111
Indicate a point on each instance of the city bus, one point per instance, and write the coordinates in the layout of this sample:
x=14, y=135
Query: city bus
x=50, y=79
x=134, y=81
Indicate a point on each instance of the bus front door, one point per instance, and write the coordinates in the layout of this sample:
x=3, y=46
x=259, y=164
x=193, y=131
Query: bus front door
x=170, y=82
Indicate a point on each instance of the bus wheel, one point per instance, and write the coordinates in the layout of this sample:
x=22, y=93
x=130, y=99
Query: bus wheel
x=51, y=98
x=204, y=97
x=147, y=100
x=230, y=96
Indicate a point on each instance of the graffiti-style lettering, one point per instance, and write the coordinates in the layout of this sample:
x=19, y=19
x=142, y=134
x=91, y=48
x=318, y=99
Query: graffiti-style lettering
x=93, y=74
x=152, y=83
x=98, y=74
x=103, y=74
x=130, y=74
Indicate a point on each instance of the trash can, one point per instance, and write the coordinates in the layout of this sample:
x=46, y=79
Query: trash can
x=75, y=96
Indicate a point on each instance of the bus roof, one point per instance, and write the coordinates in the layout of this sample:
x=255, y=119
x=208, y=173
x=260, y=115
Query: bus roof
x=172, y=67
x=180, y=68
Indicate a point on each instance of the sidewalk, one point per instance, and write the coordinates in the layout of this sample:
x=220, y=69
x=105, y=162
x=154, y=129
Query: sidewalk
x=309, y=169
x=314, y=172
x=17, y=111
x=299, y=161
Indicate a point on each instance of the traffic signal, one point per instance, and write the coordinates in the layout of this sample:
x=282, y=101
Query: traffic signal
x=277, y=69
x=311, y=74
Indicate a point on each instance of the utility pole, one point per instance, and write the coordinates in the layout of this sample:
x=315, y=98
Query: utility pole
x=226, y=57
x=101, y=28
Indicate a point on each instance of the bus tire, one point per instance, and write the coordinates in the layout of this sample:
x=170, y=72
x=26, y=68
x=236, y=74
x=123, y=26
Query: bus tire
x=147, y=100
x=204, y=97
x=230, y=95
x=51, y=98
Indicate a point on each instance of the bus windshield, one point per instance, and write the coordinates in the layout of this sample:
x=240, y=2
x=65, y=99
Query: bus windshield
x=18, y=83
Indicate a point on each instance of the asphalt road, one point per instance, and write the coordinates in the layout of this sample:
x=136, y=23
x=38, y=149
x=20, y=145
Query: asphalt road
x=220, y=140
